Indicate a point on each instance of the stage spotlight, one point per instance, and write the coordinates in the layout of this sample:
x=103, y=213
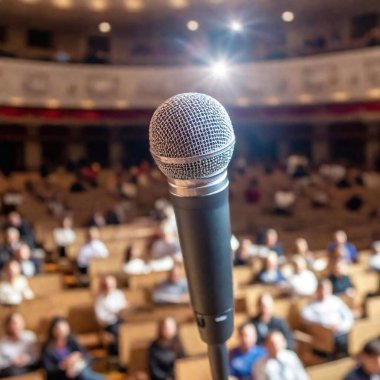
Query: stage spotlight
x=236, y=26
x=104, y=27
x=219, y=69
x=287, y=16
x=192, y=25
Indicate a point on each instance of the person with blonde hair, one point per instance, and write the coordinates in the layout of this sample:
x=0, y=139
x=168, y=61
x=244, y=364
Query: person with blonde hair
x=14, y=287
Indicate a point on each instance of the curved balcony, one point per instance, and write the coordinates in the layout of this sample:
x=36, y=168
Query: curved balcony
x=346, y=77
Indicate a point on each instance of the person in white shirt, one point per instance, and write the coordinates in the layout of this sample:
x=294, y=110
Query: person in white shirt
x=110, y=305
x=166, y=245
x=331, y=312
x=64, y=235
x=279, y=363
x=29, y=267
x=93, y=248
x=302, y=282
x=18, y=348
x=133, y=263
x=374, y=260
x=174, y=290
x=14, y=287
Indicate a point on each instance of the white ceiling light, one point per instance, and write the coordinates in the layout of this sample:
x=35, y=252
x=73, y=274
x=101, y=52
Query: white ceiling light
x=192, y=25
x=63, y=4
x=104, y=27
x=287, y=16
x=178, y=4
x=134, y=5
x=98, y=5
x=236, y=26
x=219, y=69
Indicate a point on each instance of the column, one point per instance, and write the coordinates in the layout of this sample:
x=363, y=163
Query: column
x=33, y=150
x=372, y=144
x=320, y=150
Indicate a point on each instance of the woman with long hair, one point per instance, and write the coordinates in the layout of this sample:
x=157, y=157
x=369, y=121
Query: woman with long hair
x=63, y=358
x=165, y=350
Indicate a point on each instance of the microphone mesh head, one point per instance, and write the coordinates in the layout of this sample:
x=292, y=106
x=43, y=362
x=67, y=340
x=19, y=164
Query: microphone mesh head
x=191, y=137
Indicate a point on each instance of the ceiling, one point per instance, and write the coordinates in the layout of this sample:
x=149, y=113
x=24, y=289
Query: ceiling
x=78, y=14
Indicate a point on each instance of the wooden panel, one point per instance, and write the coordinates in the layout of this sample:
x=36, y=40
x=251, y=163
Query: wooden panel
x=36, y=375
x=46, y=284
x=334, y=370
x=373, y=308
x=362, y=331
x=134, y=333
x=192, y=368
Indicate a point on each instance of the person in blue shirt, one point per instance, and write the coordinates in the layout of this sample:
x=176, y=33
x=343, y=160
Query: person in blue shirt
x=368, y=367
x=343, y=247
x=271, y=273
x=243, y=358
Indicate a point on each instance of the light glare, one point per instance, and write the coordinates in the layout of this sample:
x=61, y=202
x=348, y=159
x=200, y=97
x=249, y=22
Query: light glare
x=236, y=26
x=287, y=16
x=104, y=27
x=193, y=25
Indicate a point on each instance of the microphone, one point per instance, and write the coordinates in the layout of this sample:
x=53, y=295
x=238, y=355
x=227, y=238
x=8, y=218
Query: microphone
x=192, y=141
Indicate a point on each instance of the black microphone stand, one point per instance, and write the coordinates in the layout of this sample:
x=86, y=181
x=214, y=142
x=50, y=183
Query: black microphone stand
x=218, y=358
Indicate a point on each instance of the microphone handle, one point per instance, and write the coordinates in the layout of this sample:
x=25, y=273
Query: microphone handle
x=218, y=358
x=205, y=238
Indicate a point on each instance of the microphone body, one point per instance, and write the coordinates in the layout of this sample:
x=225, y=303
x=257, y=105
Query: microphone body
x=205, y=238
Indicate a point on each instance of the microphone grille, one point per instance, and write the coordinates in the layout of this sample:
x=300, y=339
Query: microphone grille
x=191, y=137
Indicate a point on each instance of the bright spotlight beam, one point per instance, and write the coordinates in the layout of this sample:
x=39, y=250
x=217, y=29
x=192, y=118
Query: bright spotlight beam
x=219, y=69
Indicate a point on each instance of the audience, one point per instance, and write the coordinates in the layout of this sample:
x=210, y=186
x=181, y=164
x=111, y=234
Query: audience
x=265, y=321
x=164, y=351
x=14, y=287
x=63, y=358
x=29, y=267
x=11, y=245
x=303, y=281
x=243, y=358
x=279, y=363
x=166, y=245
x=271, y=273
x=302, y=249
x=243, y=253
x=272, y=242
x=133, y=263
x=26, y=233
x=64, y=235
x=93, y=248
x=345, y=248
x=18, y=348
x=340, y=281
x=374, y=260
x=330, y=311
x=173, y=290
x=368, y=367
x=110, y=305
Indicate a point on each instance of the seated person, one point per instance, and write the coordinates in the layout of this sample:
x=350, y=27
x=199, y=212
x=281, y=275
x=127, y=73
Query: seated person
x=374, y=260
x=18, y=348
x=271, y=273
x=93, y=248
x=110, y=305
x=284, y=201
x=164, y=351
x=63, y=358
x=341, y=244
x=11, y=245
x=340, y=281
x=133, y=263
x=302, y=249
x=279, y=363
x=368, y=367
x=272, y=242
x=331, y=312
x=14, y=287
x=97, y=220
x=243, y=357
x=166, y=245
x=243, y=253
x=29, y=267
x=265, y=321
x=303, y=281
x=64, y=235
x=26, y=233
x=172, y=290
